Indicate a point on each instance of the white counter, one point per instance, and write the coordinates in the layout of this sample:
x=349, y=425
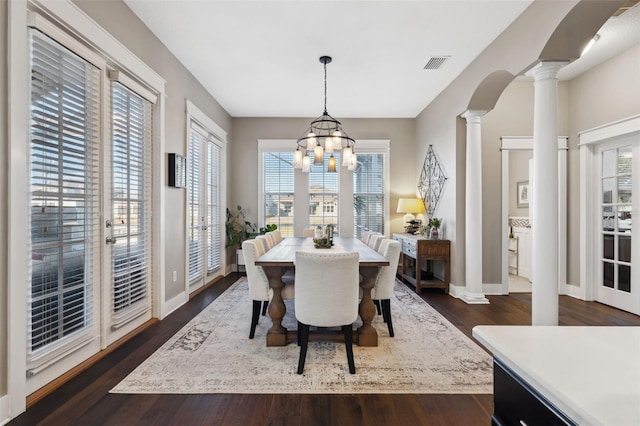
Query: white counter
x=591, y=374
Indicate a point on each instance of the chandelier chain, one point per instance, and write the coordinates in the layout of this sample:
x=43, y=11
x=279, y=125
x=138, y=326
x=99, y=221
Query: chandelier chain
x=325, y=87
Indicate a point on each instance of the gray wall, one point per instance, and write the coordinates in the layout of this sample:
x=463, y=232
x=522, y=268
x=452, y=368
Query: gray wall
x=518, y=172
x=3, y=197
x=243, y=158
x=124, y=25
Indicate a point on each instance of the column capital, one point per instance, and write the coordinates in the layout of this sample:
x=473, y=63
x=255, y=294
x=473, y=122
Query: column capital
x=473, y=115
x=545, y=70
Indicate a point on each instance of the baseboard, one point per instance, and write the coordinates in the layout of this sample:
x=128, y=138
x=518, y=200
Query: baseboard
x=492, y=289
x=4, y=410
x=456, y=290
x=171, y=305
x=573, y=291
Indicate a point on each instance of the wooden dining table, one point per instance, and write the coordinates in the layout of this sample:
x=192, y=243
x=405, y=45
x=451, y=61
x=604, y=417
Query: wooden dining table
x=275, y=263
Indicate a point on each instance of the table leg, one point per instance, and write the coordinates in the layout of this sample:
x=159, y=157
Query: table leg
x=367, y=335
x=277, y=334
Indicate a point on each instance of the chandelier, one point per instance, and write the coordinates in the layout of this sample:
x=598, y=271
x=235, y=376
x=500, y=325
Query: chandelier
x=325, y=135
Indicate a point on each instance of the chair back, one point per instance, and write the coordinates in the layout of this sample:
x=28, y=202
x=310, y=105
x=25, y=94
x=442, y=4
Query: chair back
x=386, y=278
x=365, y=236
x=265, y=242
x=277, y=236
x=272, y=240
x=258, y=282
x=375, y=240
x=308, y=232
x=327, y=287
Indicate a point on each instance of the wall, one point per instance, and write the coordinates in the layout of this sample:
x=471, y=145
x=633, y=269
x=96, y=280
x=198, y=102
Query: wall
x=604, y=94
x=513, y=51
x=3, y=197
x=518, y=172
x=124, y=25
x=243, y=161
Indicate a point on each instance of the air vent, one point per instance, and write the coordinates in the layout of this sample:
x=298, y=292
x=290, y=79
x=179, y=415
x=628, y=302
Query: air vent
x=435, y=62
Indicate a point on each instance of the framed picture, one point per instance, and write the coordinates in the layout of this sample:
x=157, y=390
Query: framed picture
x=177, y=171
x=522, y=194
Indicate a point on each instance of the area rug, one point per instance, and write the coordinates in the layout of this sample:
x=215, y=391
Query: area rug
x=213, y=354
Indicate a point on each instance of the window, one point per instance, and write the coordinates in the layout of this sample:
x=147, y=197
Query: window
x=368, y=194
x=131, y=202
x=64, y=135
x=324, y=194
x=278, y=178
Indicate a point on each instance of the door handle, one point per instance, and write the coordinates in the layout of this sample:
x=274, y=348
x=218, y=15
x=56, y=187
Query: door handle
x=111, y=240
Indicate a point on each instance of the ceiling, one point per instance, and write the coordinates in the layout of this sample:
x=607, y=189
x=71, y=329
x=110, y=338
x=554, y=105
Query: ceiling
x=260, y=58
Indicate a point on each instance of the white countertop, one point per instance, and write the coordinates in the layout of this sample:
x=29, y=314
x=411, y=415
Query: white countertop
x=591, y=374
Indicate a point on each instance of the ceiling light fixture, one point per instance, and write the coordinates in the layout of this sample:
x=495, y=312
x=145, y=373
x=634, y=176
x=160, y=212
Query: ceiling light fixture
x=325, y=135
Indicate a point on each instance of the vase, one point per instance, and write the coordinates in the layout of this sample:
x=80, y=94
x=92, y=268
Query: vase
x=435, y=234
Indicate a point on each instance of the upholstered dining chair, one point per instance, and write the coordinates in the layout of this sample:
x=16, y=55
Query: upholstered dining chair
x=277, y=235
x=308, y=232
x=365, y=236
x=375, y=240
x=258, y=283
x=266, y=243
x=385, y=280
x=272, y=240
x=326, y=296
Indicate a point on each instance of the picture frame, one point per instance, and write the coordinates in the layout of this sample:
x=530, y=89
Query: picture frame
x=177, y=171
x=522, y=194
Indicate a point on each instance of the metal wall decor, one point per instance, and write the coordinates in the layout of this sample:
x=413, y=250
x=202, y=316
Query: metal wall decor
x=432, y=181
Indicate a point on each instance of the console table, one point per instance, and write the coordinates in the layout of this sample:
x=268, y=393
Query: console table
x=419, y=249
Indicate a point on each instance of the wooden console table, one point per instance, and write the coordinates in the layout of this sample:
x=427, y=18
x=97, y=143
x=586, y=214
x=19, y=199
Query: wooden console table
x=419, y=249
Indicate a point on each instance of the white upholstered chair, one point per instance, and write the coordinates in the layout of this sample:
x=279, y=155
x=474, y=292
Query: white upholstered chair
x=375, y=240
x=272, y=240
x=326, y=296
x=276, y=235
x=266, y=243
x=386, y=279
x=258, y=283
x=308, y=232
x=365, y=236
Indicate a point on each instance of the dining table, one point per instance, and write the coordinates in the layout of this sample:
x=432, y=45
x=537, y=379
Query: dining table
x=276, y=261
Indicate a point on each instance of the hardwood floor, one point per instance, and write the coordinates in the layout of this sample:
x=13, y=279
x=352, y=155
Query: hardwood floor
x=85, y=400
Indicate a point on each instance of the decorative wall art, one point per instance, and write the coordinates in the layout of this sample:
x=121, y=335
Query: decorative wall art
x=432, y=182
x=522, y=194
x=177, y=171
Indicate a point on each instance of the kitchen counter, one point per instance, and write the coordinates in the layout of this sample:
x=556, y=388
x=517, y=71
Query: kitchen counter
x=590, y=374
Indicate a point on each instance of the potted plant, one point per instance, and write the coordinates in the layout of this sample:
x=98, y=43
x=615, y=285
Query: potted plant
x=435, y=223
x=238, y=228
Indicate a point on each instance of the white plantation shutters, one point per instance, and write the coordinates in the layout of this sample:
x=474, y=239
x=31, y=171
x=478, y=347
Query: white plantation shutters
x=64, y=136
x=278, y=180
x=214, y=221
x=131, y=200
x=368, y=194
x=194, y=197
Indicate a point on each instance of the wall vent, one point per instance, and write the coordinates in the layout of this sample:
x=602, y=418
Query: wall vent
x=436, y=62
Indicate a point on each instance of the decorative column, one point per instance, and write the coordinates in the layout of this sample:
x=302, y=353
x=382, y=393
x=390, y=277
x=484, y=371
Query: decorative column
x=473, y=210
x=544, y=203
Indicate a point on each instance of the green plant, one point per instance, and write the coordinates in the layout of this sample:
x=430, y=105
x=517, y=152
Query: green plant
x=268, y=228
x=238, y=228
x=434, y=222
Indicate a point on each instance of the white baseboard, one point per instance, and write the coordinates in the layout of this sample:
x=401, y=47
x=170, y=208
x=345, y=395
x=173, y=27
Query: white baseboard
x=171, y=305
x=456, y=290
x=4, y=410
x=492, y=289
x=573, y=291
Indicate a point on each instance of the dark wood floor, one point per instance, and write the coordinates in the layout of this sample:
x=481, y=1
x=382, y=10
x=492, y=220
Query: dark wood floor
x=85, y=400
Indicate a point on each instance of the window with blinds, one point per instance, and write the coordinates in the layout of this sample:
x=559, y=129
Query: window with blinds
x=368, y=194
x=214, y=227
x=131, y=201
x=64, y=136
x=324, y=192
x=278, y=191
x=194, y=197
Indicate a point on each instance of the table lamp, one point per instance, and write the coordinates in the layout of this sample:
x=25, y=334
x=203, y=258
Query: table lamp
x=410, y=206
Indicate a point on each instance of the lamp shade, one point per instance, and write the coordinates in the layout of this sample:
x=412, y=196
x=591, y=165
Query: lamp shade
x=410, y=205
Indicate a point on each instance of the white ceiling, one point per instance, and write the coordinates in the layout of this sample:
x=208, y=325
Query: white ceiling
x=260, y=58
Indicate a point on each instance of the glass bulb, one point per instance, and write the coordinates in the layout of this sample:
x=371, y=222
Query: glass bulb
x=306, y=164
x=346, y=155
x=297, y=159
x=328, y=145
x=311, y=139
x=318, y=154
x=332, y=164
x=353, y=162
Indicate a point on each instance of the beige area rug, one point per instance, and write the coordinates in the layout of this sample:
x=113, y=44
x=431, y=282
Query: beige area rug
x=213, y=354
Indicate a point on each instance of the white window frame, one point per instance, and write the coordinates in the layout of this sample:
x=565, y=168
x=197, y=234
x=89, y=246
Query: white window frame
x=64, y=15
x=301, y=185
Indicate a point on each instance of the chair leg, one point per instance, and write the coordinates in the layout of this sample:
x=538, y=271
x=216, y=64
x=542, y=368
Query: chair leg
x=265, y=304
x=348, y=341
x=377, y=303
x=304, y=336
x=386, y=312
x=254, y=317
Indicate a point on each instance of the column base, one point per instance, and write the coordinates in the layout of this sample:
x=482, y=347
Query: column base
x=474, y=298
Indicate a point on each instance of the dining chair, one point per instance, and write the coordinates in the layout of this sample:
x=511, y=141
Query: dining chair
x=365, y=236
x=265, y=242
x=385, y=280
x=375, y=240
x=326, y=296
x=277, y=235
x=258, y=283
x=308, y=232
x=271, y=238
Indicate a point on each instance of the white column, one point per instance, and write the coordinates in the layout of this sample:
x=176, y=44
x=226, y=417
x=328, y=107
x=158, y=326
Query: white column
x=544, y=266
x=473, y=210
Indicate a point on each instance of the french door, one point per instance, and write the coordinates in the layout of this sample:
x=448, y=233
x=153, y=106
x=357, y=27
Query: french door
x=204, y=230
x=618, y=248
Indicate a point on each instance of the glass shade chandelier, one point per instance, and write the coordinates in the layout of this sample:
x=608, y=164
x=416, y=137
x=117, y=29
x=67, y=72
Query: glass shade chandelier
x=325, y=135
